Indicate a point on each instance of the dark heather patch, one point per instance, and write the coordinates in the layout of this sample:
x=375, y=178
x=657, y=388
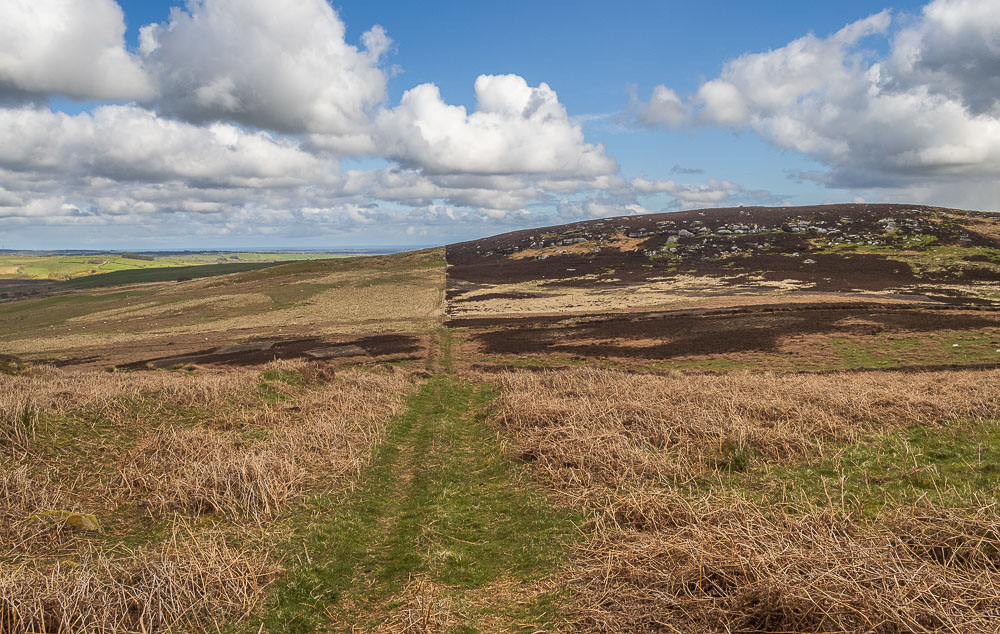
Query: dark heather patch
x=258, y=353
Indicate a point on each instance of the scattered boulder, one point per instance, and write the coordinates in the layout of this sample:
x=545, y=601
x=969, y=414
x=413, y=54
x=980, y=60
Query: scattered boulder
x=11, y=365
x=245, y=347
x=86, y=522
x=336, y=352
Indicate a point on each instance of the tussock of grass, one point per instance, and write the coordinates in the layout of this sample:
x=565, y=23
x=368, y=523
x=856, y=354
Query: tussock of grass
x=183, y=584
x=421, y=608
x=198, y=471
x=720, y=566
x=331, y=431
x=170, y=444
x=588, y=426
x=18, y=422
x=681, y=542
x=22, y=498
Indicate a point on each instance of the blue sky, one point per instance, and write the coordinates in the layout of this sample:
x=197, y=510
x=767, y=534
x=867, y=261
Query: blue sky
x=305, y=124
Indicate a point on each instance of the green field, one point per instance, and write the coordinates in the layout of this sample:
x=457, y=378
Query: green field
x=168, y=273
x=64, y=267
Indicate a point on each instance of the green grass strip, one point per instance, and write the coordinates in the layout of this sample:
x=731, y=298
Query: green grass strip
x=440, y=501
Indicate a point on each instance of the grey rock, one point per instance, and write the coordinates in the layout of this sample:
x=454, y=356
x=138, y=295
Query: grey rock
x=334, y=352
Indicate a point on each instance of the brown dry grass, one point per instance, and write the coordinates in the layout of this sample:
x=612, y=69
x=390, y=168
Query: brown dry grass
x=18, y=422
x=22, y=497
x=239, y=442
x=331, y=431
x=589, y=426
x=420, y=608
x=210, y=441
x=724, y=566
x=187, y=583
x=664, y=557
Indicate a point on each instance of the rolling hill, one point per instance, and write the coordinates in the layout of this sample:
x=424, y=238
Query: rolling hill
x=800, y=288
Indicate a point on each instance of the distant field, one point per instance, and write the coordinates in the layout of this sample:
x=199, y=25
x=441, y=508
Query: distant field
x=187, y=306
x=64, y=267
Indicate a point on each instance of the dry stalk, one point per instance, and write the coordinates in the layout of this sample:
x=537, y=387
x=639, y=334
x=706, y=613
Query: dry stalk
x=725, y=566
x=18, y=422
x=328, y=432
x=22, y=498
x=659, y=560
x=588, y=426
x=192, y=584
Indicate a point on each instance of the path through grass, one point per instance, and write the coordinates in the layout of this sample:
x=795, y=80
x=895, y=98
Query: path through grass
x=441, y=531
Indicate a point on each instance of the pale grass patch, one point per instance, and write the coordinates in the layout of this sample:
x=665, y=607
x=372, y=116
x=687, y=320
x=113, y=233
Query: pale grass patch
x=22, y=497
x=681, y=291
x=589, y=425
x=726, y=565
x=981, y=290
x=618, y=241
x=157, y=307
x=191, y=583
x=663, y=557
x=788, y=284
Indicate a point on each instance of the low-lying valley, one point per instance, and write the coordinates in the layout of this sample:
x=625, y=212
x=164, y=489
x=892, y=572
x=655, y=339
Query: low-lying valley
x=721, y=420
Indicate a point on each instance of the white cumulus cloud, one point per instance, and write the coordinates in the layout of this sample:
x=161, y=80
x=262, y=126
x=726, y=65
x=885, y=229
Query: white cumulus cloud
x=515, y=129
x=663, y=108
x=69, y=47
x=239, y=112
x=922, y=119
x=282, y=66
x=129, y=143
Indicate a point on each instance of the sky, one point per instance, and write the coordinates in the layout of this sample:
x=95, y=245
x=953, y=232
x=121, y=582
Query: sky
x=302, y=123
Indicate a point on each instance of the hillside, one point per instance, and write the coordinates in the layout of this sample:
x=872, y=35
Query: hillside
x=912, y=250
x=178, y=315
x=803, y=288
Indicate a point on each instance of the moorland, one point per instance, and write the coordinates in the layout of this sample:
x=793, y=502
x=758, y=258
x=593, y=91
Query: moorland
x=744, y=419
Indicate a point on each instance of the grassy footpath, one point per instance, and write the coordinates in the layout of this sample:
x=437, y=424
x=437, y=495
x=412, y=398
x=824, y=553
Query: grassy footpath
x=441, y=529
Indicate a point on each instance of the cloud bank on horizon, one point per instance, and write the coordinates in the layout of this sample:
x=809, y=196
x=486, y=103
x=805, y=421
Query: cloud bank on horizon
x=234, y=119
